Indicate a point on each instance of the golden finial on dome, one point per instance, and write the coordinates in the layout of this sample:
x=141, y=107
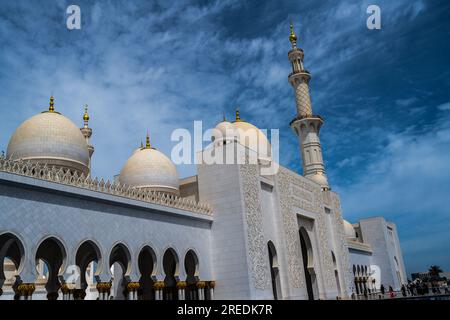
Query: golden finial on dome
x=238, y=117
x=293, y=36
x=224, y=118
x=147, y=142
x=51, y=108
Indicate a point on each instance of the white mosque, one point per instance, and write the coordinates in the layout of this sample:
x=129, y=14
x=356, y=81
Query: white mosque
x=229, y=232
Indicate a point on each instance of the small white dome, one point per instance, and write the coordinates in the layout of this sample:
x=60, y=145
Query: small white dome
x=50, y=138
x=320, y=179
x=149, y=168
x=349, y=230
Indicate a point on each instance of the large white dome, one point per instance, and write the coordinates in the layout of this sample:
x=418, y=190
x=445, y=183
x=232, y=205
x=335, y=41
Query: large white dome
x=149, y=168
x=223, y=133
x=253, y=138
x=50, y=138
x=245, y=133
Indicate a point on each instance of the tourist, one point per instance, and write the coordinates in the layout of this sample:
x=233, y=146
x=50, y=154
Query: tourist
x=391, y=292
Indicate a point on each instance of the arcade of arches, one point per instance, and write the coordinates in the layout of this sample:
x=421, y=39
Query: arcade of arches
x=52, y=268
x=364, y=283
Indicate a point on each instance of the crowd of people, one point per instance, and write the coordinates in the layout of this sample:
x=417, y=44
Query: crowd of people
x=410, y=290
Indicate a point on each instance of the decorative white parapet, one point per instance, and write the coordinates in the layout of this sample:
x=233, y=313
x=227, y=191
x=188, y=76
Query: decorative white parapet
x=52, y=174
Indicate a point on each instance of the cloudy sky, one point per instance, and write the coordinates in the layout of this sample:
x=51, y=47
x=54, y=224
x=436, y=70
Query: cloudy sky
x=158, y=66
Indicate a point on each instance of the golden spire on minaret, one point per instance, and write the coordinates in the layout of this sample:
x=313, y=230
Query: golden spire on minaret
x=293, y=36
x=147, y=142
x=86, y=116
x=51, y=108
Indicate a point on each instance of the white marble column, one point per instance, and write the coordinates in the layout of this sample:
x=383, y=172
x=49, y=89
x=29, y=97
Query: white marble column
x=201, y=290
x=212, y=285
x=159, y=286
x=181, y=286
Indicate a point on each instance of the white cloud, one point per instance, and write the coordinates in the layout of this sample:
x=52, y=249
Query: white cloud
x=406, y=102
x=350, y=162
x=444, y=106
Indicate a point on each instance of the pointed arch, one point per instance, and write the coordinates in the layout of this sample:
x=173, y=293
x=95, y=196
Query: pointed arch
x=120, y=264
x=147, y=263
x=308, y=264
x=170, y=267
x=51, y=251
x=274, y=270
x=191, y=266
x=12, y=255
x=88, y=257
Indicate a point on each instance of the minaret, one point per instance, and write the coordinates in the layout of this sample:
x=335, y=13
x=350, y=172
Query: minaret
x=305, y=124
x=87, y=133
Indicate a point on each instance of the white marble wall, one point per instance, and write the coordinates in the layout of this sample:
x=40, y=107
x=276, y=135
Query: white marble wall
x=219, y=185
x=247, y=216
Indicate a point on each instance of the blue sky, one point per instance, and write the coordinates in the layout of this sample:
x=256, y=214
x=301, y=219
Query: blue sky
x=157, y=65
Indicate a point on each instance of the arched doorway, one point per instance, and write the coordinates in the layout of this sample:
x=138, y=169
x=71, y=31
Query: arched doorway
x=191, y=267
x=87, y=258
x=11, y=257
x=147, y=268
x=274, y=271
x=308, y=263
x=170, y=266
x=119, y=262
x=53, y=255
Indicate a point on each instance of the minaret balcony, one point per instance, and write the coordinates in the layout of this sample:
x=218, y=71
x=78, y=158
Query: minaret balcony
x=301, y=72
x=297, y=77
x=308, y=117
